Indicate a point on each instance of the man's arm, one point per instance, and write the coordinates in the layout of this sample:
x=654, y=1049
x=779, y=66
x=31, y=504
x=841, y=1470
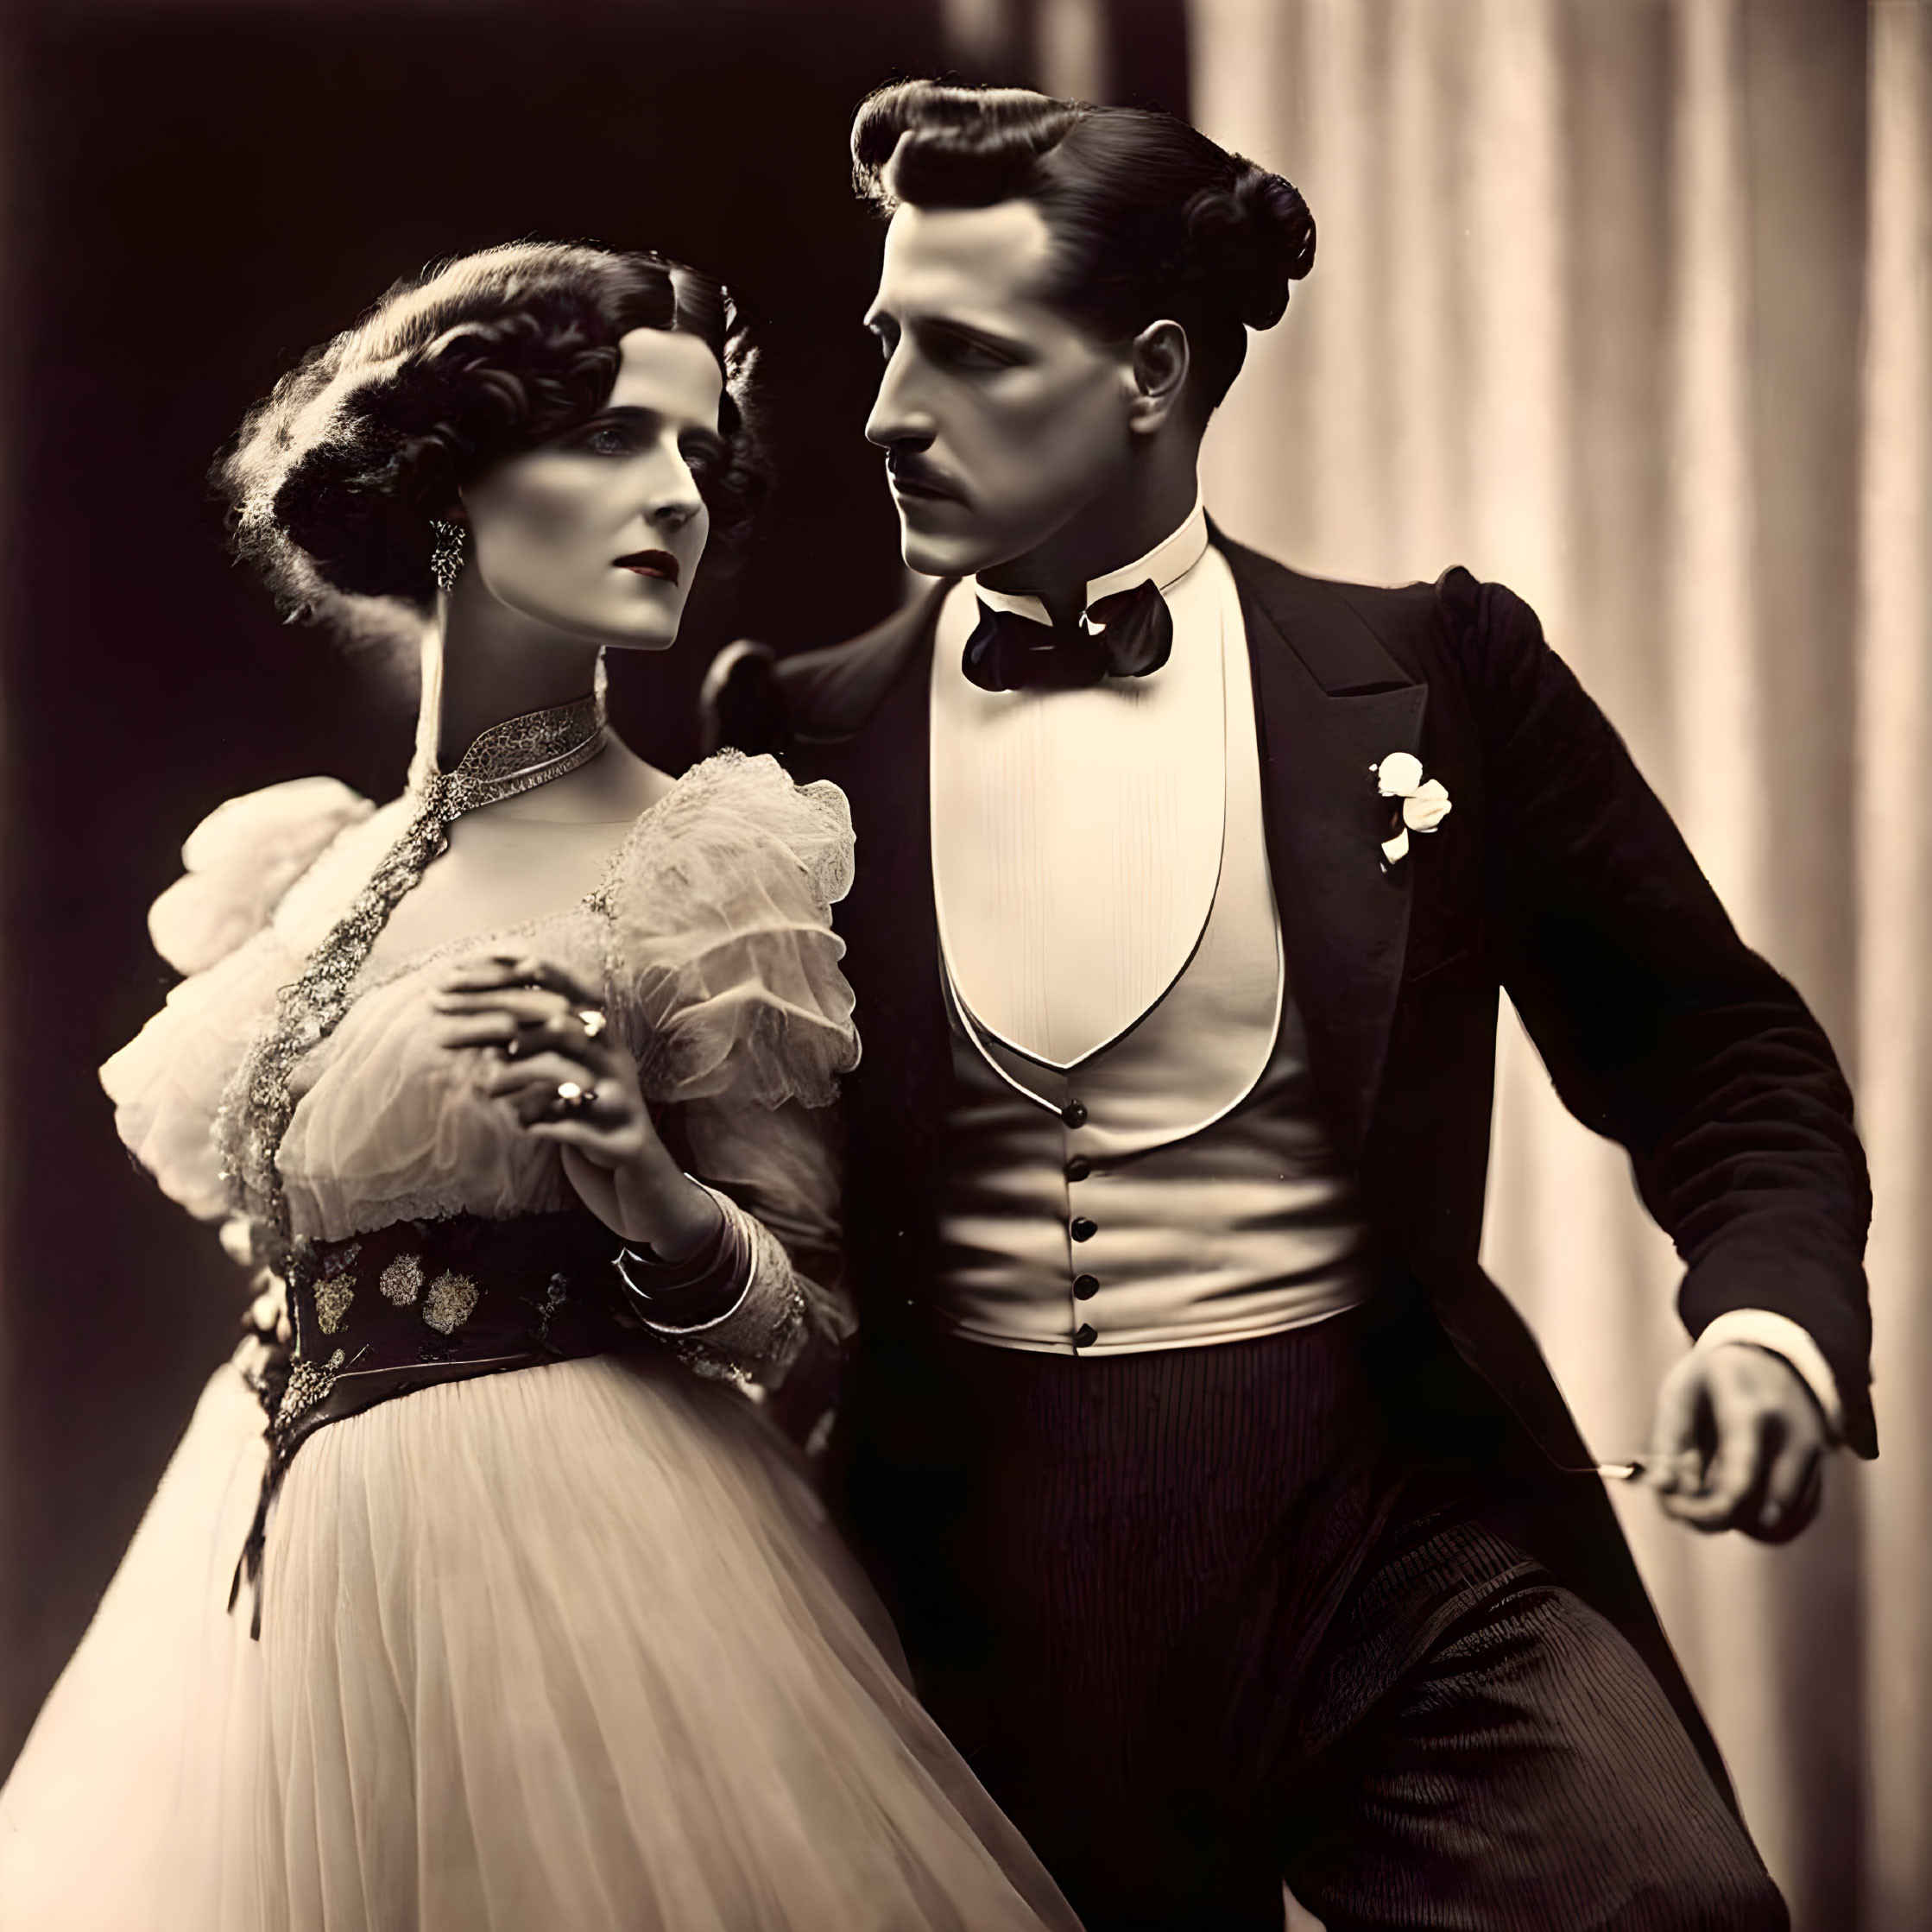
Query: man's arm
x=1663, y=1030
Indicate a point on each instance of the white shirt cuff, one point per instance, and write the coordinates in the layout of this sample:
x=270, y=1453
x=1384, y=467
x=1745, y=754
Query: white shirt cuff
x=1783, y=1337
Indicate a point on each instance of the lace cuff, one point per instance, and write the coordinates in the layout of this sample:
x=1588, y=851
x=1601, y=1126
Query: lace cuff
x=763, y=1330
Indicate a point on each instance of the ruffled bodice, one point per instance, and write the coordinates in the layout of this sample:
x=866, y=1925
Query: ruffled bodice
x=710, y=934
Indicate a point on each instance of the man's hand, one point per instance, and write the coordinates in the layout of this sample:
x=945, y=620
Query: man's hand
x=1739, y=1443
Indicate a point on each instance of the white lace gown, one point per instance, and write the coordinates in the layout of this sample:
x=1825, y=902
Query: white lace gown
x=569, y=1647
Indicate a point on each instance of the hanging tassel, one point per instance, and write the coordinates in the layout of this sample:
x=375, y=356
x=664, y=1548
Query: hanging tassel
x=249, y=1564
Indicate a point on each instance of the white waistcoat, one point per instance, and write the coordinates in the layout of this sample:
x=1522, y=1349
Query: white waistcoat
x=1134, y=1160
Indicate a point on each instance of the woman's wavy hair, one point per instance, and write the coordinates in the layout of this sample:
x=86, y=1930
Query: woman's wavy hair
x=1153, y=221
x=332, y=483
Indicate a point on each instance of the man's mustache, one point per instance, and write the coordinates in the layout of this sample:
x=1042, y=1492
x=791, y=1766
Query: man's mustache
x=920, y=473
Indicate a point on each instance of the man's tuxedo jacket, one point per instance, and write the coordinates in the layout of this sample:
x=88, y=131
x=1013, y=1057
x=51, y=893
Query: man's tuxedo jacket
x=1557, y=877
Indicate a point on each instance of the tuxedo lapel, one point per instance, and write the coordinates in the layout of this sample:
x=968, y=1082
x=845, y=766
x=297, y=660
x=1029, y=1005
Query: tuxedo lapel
x=876, y=745
x=896, y=815
x=1329, y=704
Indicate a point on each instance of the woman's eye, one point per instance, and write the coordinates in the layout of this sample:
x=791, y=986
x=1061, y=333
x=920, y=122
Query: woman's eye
x=702, y=457
x=607, y=440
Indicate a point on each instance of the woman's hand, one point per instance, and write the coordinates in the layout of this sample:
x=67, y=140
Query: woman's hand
x=548, y=1053
x=545, y=1047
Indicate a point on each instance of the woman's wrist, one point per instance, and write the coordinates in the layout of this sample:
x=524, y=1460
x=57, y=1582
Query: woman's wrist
x=665, y=1211
x=684, y=1296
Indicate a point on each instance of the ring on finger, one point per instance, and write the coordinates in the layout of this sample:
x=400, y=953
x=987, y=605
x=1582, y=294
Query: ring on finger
x=573, y=1097
x=592, y=1020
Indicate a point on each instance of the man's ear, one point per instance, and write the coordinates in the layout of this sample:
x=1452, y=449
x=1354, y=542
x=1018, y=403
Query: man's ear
x=1159, y=360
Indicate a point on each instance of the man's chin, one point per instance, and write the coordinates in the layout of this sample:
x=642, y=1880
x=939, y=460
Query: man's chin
x=933, y=554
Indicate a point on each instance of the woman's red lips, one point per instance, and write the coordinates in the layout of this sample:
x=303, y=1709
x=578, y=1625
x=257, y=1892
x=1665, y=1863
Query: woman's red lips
x=650, y=563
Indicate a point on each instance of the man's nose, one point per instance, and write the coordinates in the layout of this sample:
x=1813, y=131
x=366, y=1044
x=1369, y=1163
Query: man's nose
x=899, y=416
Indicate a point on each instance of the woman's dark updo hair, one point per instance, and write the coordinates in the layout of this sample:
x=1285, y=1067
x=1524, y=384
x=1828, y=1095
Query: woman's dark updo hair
x=1153, y=221
x=332, y=483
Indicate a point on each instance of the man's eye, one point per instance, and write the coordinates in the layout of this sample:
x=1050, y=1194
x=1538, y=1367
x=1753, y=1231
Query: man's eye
x=972, y=357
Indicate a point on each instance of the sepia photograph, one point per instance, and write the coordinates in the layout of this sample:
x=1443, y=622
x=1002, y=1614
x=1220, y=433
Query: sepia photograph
x=964, y=965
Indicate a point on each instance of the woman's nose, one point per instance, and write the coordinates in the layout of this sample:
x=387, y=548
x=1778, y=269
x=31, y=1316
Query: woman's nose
x=672, y=513
x=671, y=492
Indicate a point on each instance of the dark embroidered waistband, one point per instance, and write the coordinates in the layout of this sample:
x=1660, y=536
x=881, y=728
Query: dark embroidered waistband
x=422, y=1302
x=438, y=1301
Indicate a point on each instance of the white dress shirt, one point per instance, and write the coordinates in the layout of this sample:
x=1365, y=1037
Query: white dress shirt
x=1079, y=834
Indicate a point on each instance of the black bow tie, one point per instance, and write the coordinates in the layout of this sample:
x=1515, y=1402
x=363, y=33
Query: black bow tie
x=1132, y=634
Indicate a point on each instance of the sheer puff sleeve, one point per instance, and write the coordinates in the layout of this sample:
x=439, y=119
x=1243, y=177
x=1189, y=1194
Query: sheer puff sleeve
x=240, y=859
x=725, y=969
x=212, y=925
x=724, y=964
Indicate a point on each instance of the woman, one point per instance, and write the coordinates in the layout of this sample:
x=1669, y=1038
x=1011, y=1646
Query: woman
x=520, y=1613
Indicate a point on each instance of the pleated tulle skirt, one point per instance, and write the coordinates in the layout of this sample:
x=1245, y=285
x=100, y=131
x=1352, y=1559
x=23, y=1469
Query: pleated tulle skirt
x=567, y=1648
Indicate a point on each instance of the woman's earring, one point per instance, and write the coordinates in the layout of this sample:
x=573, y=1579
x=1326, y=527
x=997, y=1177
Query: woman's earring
x=448, y=546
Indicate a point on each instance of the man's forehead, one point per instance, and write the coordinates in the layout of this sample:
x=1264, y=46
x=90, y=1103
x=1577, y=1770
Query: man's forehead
x=964, y=259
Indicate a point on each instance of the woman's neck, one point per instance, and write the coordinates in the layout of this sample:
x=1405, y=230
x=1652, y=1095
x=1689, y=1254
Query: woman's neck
x=497, y=664
x=477, y=673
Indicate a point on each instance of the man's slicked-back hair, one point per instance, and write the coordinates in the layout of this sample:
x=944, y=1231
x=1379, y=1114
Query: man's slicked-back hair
x=1150, y=220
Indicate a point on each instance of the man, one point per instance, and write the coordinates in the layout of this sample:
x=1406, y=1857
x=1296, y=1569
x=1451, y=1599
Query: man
x=1236, y=1527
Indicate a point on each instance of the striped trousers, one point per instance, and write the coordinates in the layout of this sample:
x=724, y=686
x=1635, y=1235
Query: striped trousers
x=1200, y=1630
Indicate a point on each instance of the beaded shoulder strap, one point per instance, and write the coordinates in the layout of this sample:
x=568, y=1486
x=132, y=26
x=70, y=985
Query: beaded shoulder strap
x=513, y=757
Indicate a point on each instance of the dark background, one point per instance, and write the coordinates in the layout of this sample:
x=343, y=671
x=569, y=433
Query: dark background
x=194, y=196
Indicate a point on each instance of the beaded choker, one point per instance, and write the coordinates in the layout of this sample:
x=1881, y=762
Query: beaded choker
x=517, y=756
x=513, y=757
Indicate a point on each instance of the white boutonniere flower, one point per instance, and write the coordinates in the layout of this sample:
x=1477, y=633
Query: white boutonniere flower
x=1424, y=802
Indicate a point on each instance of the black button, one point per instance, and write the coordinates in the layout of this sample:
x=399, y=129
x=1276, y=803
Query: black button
x=1085, y=1286
x=1085, y=1336
x=1079, y=1167
x=1074, y=1114
x=1084, y=1230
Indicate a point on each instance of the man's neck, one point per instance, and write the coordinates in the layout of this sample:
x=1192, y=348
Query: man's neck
x=1100, y=538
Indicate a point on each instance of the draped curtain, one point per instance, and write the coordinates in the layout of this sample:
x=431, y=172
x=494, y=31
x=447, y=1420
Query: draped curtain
x=1625, y=303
